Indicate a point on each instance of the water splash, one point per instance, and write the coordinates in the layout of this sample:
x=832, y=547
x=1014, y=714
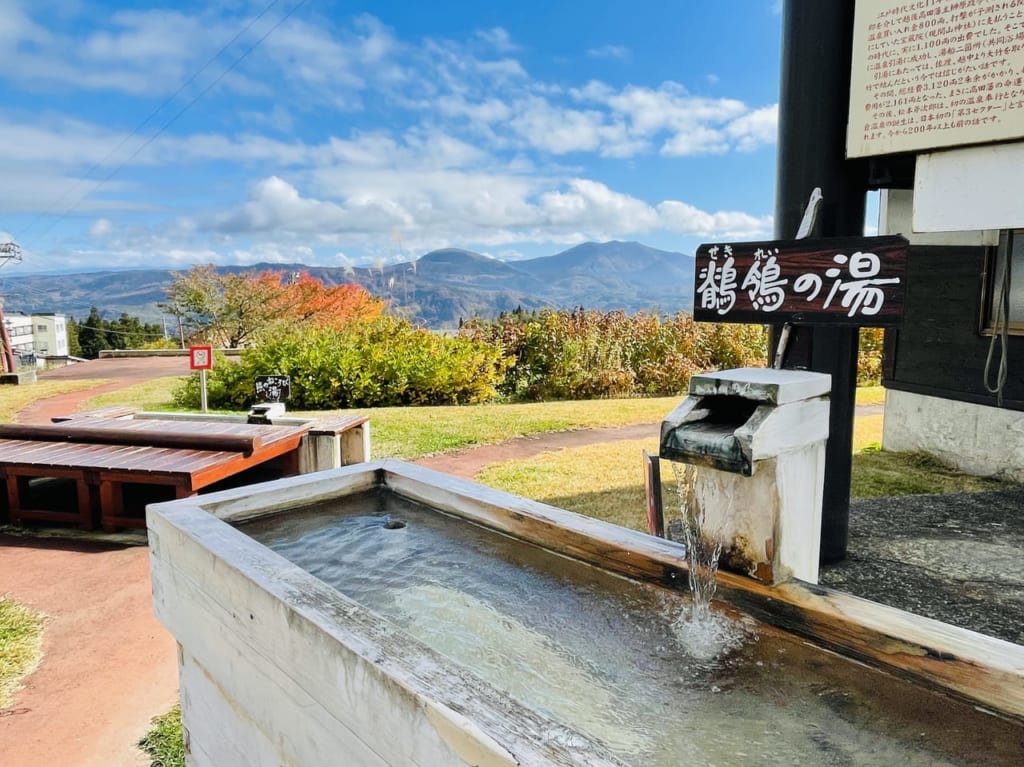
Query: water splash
x=705, y=633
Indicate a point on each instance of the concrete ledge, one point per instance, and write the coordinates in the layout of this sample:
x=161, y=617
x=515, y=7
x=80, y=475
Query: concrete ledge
x=122, y=353
x=24, y=377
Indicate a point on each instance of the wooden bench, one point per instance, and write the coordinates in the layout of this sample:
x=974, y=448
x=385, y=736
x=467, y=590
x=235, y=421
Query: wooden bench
x=114, y=411
x=105, y=457
x=335, y=441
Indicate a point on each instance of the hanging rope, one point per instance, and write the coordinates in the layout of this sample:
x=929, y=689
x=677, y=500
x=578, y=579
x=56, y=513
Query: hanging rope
x=1000, y=331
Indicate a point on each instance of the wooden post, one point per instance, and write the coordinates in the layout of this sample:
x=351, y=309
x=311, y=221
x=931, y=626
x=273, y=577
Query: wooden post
x=5, y=342
x=655, y=508
x=813, y=108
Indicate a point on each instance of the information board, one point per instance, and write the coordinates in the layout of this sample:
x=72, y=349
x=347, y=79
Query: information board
x=928, y=74
x=836, y=280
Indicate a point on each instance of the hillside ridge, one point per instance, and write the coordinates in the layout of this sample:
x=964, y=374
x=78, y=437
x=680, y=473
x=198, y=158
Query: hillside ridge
x=437, y=289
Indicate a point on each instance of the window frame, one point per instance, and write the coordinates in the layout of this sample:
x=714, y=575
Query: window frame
x=993, y=259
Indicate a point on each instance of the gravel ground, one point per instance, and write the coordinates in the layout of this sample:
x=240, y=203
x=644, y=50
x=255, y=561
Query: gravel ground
x=956, y=558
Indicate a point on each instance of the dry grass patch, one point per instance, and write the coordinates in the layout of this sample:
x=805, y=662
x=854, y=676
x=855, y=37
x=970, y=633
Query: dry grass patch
x=155, y=394
x=878, y=473
x=603, y=481
x=14, y=398
x=21, y=647
x=867, y=431
x=870, y=395
x=606, y=481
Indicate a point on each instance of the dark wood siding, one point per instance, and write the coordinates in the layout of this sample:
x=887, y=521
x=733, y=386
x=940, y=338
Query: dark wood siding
x=939, y=350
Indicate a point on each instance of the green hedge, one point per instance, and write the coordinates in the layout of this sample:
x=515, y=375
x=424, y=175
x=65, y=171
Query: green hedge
x=521, y=356
x=384, y=362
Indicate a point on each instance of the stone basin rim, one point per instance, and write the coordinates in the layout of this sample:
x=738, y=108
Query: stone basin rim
x=986, y=671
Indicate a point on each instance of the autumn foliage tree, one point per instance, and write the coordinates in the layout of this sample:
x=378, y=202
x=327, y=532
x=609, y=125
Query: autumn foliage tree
x=238, y=309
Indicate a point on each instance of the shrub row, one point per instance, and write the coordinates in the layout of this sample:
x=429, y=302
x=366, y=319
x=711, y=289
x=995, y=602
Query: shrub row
x=382, y=362
x=589, y=354
x=538, y=356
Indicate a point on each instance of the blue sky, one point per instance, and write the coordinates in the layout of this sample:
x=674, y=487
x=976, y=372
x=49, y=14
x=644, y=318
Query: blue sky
x=361, y=133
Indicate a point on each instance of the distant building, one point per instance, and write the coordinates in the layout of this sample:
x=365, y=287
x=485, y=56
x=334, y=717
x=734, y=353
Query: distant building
x=37, y=335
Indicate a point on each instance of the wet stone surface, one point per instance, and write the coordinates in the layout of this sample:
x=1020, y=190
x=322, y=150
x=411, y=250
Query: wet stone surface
x=957, y=558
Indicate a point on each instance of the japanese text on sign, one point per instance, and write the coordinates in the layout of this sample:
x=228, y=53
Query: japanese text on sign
x=935, y=73
x=842, y=280
x=273, y=388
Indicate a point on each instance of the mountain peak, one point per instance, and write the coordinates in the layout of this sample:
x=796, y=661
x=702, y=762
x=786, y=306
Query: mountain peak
x=453, y=256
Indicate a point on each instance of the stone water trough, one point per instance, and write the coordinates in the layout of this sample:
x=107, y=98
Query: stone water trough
x=386, y=614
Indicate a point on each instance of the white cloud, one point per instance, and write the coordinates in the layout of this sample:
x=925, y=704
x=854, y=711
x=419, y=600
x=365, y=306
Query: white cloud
x=620, y=52
x=275, y=205
x=697, y=140
x=557, y=130
x=682, y=124
x=135, y=52
x=484, y=112
x=755, y=129
x=592, y=206
x=431, y=209
x=497, y=38
x=100, y=228
x=474, y=150
x=686, y=219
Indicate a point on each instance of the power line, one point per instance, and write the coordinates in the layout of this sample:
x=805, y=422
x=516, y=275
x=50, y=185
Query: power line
x=110, y=331
x=9, y=251
x=231, y=67
x=96, y=166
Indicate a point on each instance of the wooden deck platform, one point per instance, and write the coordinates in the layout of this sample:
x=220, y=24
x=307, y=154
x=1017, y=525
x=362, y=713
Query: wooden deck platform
x=116, y=465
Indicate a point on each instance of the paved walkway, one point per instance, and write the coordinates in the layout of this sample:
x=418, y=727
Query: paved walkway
x=108, y=665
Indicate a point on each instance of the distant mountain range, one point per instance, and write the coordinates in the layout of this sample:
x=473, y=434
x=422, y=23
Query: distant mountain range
x=437, y=289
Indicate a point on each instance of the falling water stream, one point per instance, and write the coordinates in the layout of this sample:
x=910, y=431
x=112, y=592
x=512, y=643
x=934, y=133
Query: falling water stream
x=611, y=657
x=706, y=632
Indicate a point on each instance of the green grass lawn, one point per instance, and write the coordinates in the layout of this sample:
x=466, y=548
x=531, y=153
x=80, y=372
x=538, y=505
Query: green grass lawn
x=414, y=432
x=21, y=647
x=164, y=742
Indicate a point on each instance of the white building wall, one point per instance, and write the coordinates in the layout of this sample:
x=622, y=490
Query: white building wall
x=977, y=439
x=973, y=438
x=19, y=330
x=50, y=334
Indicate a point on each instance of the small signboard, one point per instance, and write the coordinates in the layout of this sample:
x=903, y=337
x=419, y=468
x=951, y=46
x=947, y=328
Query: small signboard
x=842, y=280
x=273, y=388
x=200, y=357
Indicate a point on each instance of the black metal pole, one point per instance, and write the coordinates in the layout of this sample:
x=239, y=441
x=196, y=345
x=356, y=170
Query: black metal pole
x=813, y=106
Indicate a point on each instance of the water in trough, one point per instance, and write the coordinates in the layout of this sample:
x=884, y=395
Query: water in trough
x=605, y=655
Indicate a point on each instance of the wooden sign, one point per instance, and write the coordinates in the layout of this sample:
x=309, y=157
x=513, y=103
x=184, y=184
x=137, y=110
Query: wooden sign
x=842, y=280
x=273, y=388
